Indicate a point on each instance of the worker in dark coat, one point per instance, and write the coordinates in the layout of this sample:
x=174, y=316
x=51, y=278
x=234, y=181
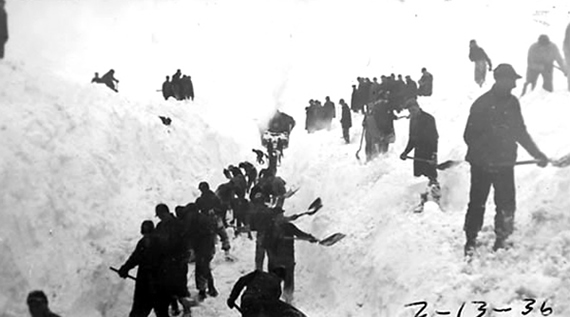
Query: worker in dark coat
x=494, y=127
x=425, y=83
x=541, y=58
x=280, y=236
x=423, y=140
x=345, y=120
x=167, y=89
x=110, y=80
x=354, y=106
x=146, y=257
x=478, y=55
x=3, y=28
x=173, y=267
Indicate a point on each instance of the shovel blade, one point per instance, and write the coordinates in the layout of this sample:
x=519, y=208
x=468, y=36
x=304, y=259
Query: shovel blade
x=562, y=162
x=447, y=164
x=332, y=239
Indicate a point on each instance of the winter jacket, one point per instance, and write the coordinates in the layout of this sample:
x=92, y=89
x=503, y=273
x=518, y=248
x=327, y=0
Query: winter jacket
x=280, y=242
x=423, y=140
x=384, y=116
x=425, y=84
x=208, y=201
x=494, y=127
x=146, y=256
x=542, y=56
x=354, y=104
x=476, y=53
x=260, y=287
x=3, y=25
x=346, y=117
x=329, y=110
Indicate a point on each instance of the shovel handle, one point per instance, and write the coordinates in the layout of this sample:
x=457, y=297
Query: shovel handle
x=128, y=276
x=420, y=160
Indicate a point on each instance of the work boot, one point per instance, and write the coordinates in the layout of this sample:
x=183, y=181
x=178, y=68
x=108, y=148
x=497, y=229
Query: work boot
x=202, y=295
x=502, y=243
x=420, y=207
x=469, y=249
x=212, y=291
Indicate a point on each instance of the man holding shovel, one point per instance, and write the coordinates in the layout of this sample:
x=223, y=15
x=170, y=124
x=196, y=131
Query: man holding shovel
x=423, y=140
x=494, y=127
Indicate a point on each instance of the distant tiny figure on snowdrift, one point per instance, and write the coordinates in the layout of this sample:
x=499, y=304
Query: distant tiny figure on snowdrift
x=108, y=79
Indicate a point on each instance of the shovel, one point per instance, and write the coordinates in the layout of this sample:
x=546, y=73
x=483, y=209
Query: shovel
x=442, y=166
x=129, y=276
x=313, y=208
x=332, y=239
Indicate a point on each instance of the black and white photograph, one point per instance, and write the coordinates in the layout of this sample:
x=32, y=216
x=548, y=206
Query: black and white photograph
x=285, y=158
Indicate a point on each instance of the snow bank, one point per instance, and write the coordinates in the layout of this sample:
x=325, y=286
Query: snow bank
x=82, y=166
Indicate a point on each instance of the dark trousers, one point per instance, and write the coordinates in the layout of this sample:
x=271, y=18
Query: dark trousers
x=203, y=272
x=345, y=134
x=289, y=280
x=2, y=43
x=259, y=250
x=503, y=182
x=546, y=73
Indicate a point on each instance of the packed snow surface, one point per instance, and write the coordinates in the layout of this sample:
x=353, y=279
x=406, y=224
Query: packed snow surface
x=82, y=166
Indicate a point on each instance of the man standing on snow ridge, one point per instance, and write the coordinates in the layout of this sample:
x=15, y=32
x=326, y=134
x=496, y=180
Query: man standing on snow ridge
x=3, y=28
x=425, y=83
x=478, y=55
x=541, y=57
x=494, y=127
x=110, y=80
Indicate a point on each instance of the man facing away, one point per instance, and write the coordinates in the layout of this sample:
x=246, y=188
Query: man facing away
x=146, y=257
x=494, y=127
x=425, y=83
x=541, y=57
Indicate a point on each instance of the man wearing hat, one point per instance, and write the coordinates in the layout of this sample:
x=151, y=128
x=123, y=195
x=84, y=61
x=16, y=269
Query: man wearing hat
x=494, y=127
x=423, y=140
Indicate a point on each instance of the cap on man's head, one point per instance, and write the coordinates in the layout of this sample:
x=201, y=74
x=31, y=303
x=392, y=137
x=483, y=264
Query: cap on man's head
x=505, y=71
x=203, y=186
x=37, y=296
x=543, y=39
x=161, y=208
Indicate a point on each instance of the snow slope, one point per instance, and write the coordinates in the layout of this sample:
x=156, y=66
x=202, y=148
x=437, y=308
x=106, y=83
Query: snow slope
x=82, y=166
